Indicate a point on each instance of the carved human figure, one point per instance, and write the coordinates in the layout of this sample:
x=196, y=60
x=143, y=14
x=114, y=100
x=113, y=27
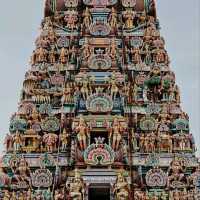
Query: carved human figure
x=50, y=140
x=67, y=95
x=6, y=195
x=71, y=19
x=113, y=88
x=113, y=49
x=82, y=133
x=52, y=36
x=87, y=18
x=41, y=55
x=76, y=187
x=52, y=56
x=160, y=56
x=72, y=57
x=17, y=142
x=115, y=133
x=176, y=172
x=86, y=52
x=64, y=55
x=22, y=172
x=113, y=18
x=64, y=139
x=121, y=188
x=58, y=195
x=136, y=55
x=85, y=89
x=129, y=16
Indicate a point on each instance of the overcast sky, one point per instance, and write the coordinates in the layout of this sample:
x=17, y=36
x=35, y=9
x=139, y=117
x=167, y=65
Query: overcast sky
x=19, y=27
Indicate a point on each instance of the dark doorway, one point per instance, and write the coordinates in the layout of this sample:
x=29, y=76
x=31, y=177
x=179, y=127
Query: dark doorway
x=99, y=193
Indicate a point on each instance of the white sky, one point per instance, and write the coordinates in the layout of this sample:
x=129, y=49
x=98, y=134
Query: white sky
x=19, y=27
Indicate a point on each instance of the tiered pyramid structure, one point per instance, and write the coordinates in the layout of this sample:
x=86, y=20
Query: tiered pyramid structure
x=99, y=116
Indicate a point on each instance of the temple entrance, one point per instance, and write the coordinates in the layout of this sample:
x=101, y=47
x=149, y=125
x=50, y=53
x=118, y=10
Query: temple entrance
x=99, y=192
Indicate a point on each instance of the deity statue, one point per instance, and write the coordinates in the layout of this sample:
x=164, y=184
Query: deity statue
x=14, y=196
x=6, y=195
x=115, y=133
x=58, y=195
x=113, y=18
x=121, y=188
x=175, y=195
x=72, y=57
x=64, y=139
x=52, y=36
x=76, y=187
x=85, y=89
x=71, y=19
x=67, y=95
x=176, y=173
x=136, y=55
x=113, y=49
x=22, y=172
x=50, y=140
x=113, y=88
x=86, y=52
x=159, y=56
x=41, y=55
x=87, y=19
x=82, y=135
x=64, y=55
x=17, y=142
x=129, y=16
x=52, y=56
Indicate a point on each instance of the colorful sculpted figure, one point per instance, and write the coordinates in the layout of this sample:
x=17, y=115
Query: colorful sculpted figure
x=113, y=18
x=14, y=196
x=113, y=49
x=41, y=55
x=64, y=55
x=136, y=55
x=64, y=139
x=67, y=95
x=113, y=88
x=58, y=195
x=72, y=58
x=82, y=131
x=6, y=195
x=50, y=140
x=86, y=52
x=176, y=171
x=52, y=36
x=87, y=18
x=52, y=56
x=71, y=19
x=115, y=133
x=85, y=89
x=129, y=17
x=76, y=188
x=121, y=188
x=22, y=172
x=17, y=142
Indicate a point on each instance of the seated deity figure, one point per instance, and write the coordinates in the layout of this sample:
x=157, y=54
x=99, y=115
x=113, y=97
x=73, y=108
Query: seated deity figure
x=76, y=187
x=176, y=173
x=121, y=188
x=82, y=131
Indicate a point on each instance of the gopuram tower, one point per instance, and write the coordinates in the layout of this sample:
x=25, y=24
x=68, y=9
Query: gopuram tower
x=99, y=116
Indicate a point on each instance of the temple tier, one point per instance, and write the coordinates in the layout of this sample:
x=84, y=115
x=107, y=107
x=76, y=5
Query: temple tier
x=99, y=115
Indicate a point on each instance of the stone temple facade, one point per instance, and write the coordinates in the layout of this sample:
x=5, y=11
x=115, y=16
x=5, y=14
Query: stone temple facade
x=99, y=116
